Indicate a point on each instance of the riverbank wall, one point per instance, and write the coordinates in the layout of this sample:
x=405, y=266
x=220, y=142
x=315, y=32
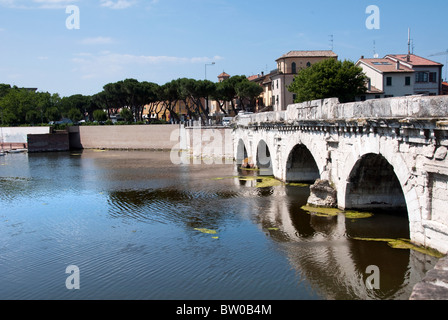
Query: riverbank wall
x=53, y=142
x=124, y=137
x=20, y=134
x=199, y=142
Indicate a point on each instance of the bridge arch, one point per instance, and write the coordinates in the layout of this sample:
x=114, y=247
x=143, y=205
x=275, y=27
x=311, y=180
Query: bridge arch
x=301, y=154
x=400, y=171
x=301, y=165
x=241, y=152
x=373, y=184
x=263, y=152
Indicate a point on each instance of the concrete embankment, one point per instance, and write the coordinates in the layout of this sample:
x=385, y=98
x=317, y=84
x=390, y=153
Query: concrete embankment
x=132, y=137
x=199, y=141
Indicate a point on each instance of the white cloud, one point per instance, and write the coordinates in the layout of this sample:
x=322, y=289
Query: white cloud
x=97, y=41
x=108, y=63
x=36, y=4
x=117, y=4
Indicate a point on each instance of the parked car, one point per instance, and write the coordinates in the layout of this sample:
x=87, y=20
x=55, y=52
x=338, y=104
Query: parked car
x=226, y=121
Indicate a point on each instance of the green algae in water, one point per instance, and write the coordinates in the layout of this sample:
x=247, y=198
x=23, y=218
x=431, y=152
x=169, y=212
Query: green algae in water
x=357, y=215
x=296, y=184
x=262, y=182
x=331, y=212
x=242, y=178
x=404, y=244
x=204, y=230
x=321, y=211
x=268, y=182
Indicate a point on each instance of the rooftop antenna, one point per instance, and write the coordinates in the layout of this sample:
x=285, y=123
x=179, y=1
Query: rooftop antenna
x=409, y=41
x=375, y=55
x=408, y=58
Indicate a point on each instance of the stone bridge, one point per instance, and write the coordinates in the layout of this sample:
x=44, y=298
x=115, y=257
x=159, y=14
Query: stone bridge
x=386, y=153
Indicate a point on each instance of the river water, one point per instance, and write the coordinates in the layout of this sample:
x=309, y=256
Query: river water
x=137, y=226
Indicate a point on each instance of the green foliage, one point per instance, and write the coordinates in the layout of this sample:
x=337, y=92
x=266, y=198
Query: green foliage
x=127, y=115
x=329, y=79
x=75, y=115
x=248, y=90
x=99, y=115
x=21, y=106
x=32, y=117
x=53, y=114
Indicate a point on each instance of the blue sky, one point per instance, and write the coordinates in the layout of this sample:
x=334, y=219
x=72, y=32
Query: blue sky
x=161, y=40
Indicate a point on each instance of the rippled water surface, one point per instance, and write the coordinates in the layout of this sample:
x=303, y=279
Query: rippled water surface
x=139, y=227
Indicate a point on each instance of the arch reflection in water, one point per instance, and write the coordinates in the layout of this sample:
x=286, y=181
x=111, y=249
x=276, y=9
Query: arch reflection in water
x=322, y=250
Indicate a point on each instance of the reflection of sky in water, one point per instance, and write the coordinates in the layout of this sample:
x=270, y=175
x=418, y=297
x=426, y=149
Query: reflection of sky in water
x=130, y=220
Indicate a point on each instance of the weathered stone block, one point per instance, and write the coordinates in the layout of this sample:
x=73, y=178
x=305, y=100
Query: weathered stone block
x=322, y=194
x=440, y=153
x=429, y=291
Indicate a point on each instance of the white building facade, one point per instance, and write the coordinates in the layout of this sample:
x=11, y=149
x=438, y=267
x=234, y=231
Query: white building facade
x=401, y=75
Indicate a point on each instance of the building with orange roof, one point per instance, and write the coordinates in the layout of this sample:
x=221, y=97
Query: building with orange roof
x=445, y=88
x=428, y=73
x=386, y=78
x=288, y=65
x=401, y=75
x=223, y=76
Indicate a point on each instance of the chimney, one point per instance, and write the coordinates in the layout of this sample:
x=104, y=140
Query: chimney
x=362, y=57
x=398, y=64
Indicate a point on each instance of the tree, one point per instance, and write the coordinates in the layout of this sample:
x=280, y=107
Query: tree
x=33, y=117
x=227, y=90
x=196, y=91
x=329, y=78
x=169, y=95
x=4, y=88
x=127, y=115
x=15, y=105
x=53, y=114
x=99, y=115
x=75, y=115
x=247, y=90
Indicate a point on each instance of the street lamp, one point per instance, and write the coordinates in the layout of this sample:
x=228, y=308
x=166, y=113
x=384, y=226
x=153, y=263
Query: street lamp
x=207, y=64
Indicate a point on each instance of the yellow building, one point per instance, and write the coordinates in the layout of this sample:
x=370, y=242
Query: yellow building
x=288, y=65
x=275, y=95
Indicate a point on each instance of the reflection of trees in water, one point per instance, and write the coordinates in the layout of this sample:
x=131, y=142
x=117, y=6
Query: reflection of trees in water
x=193, y=208
x=321, y=250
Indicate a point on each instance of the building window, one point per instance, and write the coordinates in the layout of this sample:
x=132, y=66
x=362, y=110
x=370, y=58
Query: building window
x=421, y=76
x=294, y=68
x=308, y=64
x=377, y=96
x=407, y=81
x=388, y=95
x=433, y=77
x=389, y=81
